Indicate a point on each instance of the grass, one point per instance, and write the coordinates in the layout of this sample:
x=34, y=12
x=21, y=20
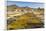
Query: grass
x=22, y=21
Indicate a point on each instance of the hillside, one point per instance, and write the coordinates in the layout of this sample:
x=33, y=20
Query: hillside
x=23, y=21
x=24, y=18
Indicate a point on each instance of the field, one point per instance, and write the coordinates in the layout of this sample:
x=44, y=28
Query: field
x=24, y=17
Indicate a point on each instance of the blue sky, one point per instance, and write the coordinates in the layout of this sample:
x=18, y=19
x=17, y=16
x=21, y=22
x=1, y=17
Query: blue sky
x=29, y=4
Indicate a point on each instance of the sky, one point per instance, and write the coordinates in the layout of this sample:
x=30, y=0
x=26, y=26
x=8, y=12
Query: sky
x=24, y=4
